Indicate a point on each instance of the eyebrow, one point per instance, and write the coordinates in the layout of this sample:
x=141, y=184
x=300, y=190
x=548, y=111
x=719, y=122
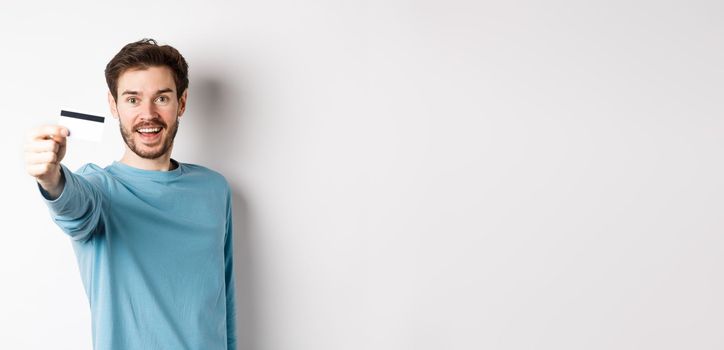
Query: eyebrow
x=131, y=92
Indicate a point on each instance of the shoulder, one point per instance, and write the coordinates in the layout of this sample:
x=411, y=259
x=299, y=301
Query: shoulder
x=87, y=175
x=206, y=175
x=89, y=168
x=94, y=173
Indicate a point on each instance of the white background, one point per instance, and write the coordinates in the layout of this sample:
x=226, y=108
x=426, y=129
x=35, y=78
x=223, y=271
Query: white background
x=407, y=174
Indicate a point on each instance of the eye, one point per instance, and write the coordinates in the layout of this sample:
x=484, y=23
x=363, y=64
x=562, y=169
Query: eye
x=162, y=99
x=131, y=100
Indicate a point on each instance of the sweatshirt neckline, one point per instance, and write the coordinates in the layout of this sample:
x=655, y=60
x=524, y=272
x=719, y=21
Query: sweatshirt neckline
x=152, y=174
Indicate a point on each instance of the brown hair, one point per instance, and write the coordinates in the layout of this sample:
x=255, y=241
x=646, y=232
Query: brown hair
x=143, y=54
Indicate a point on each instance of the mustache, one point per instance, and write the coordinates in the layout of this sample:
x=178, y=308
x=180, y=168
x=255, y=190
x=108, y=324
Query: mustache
x=149, y=124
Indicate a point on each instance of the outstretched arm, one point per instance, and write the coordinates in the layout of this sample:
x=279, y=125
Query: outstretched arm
x=75, y=202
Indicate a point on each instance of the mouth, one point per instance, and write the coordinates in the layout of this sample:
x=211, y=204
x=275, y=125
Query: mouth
x=149, y=133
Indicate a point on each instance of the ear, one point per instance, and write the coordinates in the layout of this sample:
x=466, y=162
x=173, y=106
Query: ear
x=182, y=103
x=112, y=105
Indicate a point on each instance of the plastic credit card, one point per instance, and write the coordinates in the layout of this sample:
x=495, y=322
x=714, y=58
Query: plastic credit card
x=82, y=126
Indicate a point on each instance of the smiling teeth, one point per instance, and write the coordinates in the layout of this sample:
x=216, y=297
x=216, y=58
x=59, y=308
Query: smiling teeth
x=149, y=130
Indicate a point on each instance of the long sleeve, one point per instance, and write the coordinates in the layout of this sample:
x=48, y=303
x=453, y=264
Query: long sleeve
x=77, y=211
x=155, y=254
x=229, y=271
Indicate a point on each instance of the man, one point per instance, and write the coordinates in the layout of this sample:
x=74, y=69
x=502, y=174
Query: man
x=152, y=236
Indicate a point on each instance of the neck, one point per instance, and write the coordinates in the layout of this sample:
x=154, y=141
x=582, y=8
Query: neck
x=162, y=163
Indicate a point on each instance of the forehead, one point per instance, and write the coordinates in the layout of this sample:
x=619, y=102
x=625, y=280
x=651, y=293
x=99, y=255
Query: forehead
x=146, y=79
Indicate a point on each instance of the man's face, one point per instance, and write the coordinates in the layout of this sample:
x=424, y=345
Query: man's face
x=148, y=110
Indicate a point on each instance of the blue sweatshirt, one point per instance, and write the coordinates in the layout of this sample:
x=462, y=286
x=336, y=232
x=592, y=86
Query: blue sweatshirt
x=154, y=250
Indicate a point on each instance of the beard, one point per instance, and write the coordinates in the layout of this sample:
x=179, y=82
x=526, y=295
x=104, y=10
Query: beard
x=151, y=152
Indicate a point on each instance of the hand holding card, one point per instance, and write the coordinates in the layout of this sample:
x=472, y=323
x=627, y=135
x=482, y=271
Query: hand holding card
x=82, y=126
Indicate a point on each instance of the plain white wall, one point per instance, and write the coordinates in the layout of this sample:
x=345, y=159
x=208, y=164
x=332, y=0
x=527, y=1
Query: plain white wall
x=408, y=174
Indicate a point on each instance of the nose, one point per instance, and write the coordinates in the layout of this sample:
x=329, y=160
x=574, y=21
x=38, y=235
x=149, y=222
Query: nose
x=147, y=111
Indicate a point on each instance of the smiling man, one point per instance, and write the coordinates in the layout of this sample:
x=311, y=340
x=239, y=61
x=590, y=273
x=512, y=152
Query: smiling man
x=152, y=236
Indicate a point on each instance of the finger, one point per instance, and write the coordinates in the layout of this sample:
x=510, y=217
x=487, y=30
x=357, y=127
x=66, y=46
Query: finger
x=41, y=158
x=42, y=146
x=60, y=135
x=45, y=132
x=40, y=169
x=42, y=132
